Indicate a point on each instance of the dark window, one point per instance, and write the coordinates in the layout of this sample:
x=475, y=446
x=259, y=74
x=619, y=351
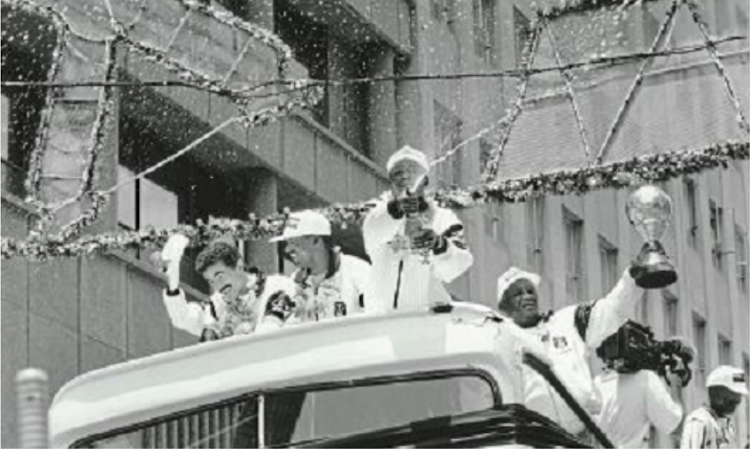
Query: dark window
x=608, y=260
x=717, y=237
x=303, y=414
x=725, y=350
x=575, y=281
x=484, y=29
x=27, y=46
x=692, y=211
x=535, y=223
x=522, y=31
x=699, y=338
x=448, y=129
x=740, y=243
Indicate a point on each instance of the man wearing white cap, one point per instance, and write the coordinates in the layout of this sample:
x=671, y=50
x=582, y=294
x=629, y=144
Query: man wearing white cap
x=329, y=283
x=415, y=246
x=568, y=335
x=711, y=426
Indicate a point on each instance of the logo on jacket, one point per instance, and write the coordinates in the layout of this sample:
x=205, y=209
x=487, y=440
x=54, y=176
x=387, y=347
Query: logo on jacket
x=339, y=309
x=560, y=342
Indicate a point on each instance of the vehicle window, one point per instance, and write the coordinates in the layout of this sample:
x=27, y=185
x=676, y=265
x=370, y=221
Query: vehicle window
x=324, y=411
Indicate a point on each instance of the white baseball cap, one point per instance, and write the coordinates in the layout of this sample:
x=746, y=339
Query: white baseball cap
x=730, y=377
x=304, y=223
x=512, y=275
x=407, y=153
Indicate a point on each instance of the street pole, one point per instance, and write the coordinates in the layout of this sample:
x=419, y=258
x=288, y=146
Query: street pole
x=32, y=390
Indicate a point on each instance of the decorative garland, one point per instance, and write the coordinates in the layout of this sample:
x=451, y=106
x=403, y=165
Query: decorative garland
x=567, y=7
x=617, y=175
x=652, y=168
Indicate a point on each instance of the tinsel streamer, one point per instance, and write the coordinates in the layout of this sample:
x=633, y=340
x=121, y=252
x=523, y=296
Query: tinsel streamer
x=652, y=168
x=617, y=175
x=493, y=161
x=661, y=36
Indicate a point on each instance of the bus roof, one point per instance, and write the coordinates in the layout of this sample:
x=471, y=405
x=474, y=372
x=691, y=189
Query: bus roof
x=336, y=350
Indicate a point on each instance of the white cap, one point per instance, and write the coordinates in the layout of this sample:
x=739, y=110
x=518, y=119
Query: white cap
x=407, y=153
x=512, y=275
x=304, y=223
x=730, y=377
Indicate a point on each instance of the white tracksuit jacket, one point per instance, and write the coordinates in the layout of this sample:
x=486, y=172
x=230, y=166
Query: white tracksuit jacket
x=194, y=317
x=567, y=336
x=402, y=279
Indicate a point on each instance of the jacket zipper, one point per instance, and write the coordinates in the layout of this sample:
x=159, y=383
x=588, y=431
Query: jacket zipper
x=398, y=284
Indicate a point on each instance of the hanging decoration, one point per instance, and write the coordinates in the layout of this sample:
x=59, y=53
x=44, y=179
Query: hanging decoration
x=653, y=168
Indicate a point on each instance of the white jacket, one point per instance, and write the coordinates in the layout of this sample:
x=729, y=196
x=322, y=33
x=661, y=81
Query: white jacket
x=402, y=279
x=340, y=294
x=194, y=317
x=568, y=351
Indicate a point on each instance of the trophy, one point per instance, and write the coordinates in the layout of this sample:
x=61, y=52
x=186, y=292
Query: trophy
x=649, y=210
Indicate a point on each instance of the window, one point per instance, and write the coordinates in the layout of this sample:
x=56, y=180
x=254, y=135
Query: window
x=27, y=55
x=692, y=211
x=448, y=134
x=295, y=416
x=535, y=229
x=671, y=313
x=608, y=260
x=494, y=223
x=725, y=350
x=716, y=222
x=574, y=263
x=484, y=29
x=522, y=31
x=746, y=368
x=740, y=244
x=144, y=203
x=699, y=339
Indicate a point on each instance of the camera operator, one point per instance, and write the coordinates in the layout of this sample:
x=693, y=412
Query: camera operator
x=634, y=397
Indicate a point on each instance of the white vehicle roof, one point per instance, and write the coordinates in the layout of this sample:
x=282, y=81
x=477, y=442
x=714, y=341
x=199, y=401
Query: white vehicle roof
x=469, y=336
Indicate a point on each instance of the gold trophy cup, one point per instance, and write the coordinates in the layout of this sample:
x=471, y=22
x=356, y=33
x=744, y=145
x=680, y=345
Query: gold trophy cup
x=649, y=210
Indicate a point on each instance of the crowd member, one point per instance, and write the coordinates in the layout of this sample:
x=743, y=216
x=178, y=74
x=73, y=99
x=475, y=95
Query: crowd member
x=567, y=335
x=329, y=283
x=241, y=302
x=415, y=245
x=632, y=401
x=711, y=426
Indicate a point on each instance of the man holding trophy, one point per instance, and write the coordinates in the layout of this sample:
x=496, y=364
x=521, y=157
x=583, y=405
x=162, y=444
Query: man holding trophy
x=415, y=245
x=571, y=332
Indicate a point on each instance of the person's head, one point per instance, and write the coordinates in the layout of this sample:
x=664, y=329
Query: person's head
x=517, y=296
x=726, y=387
x=221, y=266
x=405, y=167
x=307, y=235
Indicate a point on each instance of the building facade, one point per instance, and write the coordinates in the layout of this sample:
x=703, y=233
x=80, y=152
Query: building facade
x=69, y=316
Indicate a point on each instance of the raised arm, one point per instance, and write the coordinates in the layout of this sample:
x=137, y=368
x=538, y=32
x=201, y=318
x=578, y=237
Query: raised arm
x=451, y=256
x=599, y=319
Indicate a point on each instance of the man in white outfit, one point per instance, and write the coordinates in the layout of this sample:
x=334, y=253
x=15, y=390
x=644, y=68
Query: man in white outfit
x=415, y=246
x=634, y=400
x=566, y=335
x=241, y=302
x=328, y=283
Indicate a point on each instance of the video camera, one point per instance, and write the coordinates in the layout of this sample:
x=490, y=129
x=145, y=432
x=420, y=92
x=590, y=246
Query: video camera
x=634, y=348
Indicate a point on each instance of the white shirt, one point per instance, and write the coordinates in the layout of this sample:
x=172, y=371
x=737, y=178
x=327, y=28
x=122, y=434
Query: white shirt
x=568, y=353
x=337, y=295
x=703, y=429
x=194, y=317
x=631, y=402
x=402, y=279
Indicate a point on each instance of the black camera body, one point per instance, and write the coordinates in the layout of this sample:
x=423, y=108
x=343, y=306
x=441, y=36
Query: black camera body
x=633, y=348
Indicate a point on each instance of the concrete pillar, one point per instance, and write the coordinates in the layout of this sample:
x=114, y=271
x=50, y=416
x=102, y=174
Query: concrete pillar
x=382, y=107
x=261, y=187
x=411, y=114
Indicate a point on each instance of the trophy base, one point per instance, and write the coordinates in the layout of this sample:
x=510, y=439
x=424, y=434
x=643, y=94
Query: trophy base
x=654, y=270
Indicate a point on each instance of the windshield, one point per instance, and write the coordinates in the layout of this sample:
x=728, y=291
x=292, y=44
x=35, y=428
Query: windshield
x=311, y=413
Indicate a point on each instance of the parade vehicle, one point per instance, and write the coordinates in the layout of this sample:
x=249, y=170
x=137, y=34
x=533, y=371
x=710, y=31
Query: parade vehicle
x=450, y=377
